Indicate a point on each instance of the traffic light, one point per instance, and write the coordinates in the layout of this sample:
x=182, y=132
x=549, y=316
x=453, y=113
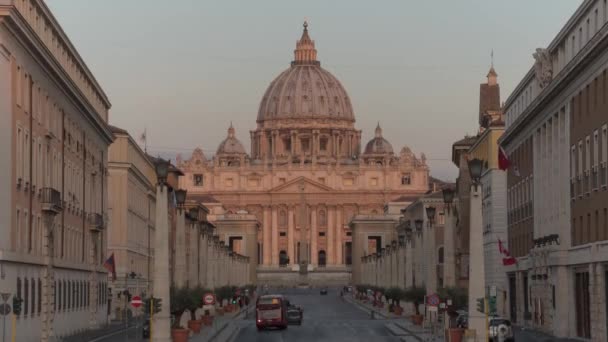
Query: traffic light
x=157, y=304
x=492, y=304
x=17, y=305
x=481, y=305
x=233, y=300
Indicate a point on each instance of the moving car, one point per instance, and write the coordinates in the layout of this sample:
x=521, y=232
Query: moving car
x=501, y=328
x=324, y=290
x=294, y=315
x=271, y=311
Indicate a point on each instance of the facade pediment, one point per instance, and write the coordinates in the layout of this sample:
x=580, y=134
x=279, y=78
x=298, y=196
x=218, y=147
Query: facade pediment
x=295, y=185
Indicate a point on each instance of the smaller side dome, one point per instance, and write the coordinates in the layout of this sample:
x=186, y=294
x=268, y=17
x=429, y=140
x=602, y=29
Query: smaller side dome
x=231, y=145
x=378, y=145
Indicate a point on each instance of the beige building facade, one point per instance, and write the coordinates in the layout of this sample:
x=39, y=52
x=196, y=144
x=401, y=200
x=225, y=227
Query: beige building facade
x=307, y=175
x=131, y=213
x=54, y=147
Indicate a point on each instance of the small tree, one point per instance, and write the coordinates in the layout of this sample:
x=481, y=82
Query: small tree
x=416, y=296
x=222, y=293
x=195, y=300
x=180, y=298
x=458, y=295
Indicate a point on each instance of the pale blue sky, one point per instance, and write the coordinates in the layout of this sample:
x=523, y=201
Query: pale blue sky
x=184, y=68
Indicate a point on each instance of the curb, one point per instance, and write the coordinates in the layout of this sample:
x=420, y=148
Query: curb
x=221, y=329
x=365, y=308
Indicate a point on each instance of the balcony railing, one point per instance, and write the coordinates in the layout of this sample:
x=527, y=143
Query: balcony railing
x=51, y=201
x=95, y=221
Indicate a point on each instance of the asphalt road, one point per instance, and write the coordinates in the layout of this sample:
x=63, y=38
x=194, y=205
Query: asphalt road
x=326, y=318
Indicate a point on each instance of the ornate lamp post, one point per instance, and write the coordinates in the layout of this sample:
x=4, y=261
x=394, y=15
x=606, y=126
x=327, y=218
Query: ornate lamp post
x=477, y=320
x=180, y=271
x=161, y=327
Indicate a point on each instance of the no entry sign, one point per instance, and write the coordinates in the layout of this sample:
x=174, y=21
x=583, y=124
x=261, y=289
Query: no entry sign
x=432, y=300
x=136, y=301
x=209, y=299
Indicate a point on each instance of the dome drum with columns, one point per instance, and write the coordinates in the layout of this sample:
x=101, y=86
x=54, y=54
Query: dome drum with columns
x=305, y=153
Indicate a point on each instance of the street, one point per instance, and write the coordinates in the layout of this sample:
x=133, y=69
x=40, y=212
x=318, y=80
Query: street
x=326, y=318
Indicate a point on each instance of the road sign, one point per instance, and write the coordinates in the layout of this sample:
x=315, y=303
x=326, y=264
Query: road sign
x=136, y=301
x=432, y=300
x=209, y=299
x=5, y=296
x=5, y=309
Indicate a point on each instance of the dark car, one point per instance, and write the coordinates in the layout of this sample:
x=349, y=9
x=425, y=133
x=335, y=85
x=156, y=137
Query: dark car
x=146, y=329
x=294, y=315
x=324, y=290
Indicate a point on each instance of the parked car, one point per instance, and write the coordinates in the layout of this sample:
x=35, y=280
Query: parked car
x=146, y=329
x=294, y=315
x=323, y=290
x=500, y=328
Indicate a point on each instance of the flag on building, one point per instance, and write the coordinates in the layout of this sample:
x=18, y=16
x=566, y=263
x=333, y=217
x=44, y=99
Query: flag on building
x=507, y=259
x=503, y=160
x=110, y=265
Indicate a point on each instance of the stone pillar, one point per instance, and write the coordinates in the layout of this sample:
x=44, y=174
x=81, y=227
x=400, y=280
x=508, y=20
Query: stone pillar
x=290, y=235
x=339, y=235
x=275, y=237
x=314, y=252
x=180, y=261
x=48, y=280
x=449, y=261
x=267, y=241
x=409, y=263
x=430, y=253
x=202, y=258
x=331, y=224
x=400, y=266
x=162, y=281
x=292, y=135
x=477, y=320
x=357, y=253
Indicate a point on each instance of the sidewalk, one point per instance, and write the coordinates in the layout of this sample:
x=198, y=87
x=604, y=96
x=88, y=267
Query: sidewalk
x=222, y=328
x=400, y=326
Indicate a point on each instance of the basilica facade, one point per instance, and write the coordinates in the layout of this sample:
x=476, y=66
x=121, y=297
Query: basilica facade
x=307, y=173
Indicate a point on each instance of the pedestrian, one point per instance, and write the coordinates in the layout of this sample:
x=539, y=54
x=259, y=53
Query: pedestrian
x=241, y=302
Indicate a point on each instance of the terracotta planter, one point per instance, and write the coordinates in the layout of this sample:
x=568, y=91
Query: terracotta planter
x=180, y=335
x=195, y=326
x=417, y=319
x=220, y=311
x=455, y=334
x=207, y=320
x=397, y=310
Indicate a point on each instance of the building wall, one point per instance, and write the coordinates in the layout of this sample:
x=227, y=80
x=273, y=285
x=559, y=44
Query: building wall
x=56, y=136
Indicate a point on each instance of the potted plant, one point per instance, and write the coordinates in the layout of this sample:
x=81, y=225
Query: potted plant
x=415, y=295
x=195, y=301
x=179, y=303
x=380, y=291
x=390, y=297
x=396, y=296
x=460, y=299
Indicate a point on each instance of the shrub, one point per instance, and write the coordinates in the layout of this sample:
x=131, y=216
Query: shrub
x=180, y=299
x=416, y=296
x=195, y=300
x=458, y=295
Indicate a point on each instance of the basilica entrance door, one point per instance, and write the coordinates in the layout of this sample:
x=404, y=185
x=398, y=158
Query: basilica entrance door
x=322, y=258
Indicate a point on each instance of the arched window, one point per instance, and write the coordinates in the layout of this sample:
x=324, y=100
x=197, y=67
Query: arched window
x=26, y=297
x=322, y=218
x=440, y=255
x=322, y=258
x=19, y=289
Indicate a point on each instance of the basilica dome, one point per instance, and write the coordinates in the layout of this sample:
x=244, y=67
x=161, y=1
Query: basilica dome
x=305, y=90
x=230, y=145
x=378, y=145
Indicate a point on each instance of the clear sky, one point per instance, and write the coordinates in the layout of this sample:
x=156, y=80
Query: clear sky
x=184, y=69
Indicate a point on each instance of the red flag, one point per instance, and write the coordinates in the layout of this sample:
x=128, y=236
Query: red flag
x=503, y=160
x=110, y=265
x=507, y=258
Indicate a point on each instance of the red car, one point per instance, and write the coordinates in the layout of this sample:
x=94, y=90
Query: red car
x=271, y=311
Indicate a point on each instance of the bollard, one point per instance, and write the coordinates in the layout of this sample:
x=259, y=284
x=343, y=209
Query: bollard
x=373, y=314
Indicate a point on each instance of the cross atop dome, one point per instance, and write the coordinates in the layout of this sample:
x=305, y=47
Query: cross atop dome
x=378, y=131
x=231, y=131
x=305, y=52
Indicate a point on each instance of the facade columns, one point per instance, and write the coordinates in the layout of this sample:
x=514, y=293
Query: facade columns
x=290, y=234
x=275, y=237
x=477, y=288
x=180, y=271
x=339, y=232
x=267, y=241
x=314, y=253
x=449, y=262
x=409, y=258
x=430, y=251
x=331, y=223
x=162, y=281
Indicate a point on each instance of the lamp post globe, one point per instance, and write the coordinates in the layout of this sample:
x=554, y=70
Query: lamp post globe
x=448, y=196
x=180, y=197
x=162, y=170
x=430, y=213
x=475, y=169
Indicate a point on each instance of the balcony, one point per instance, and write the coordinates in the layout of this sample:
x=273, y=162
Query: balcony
x=51, y=201
x=95, y=222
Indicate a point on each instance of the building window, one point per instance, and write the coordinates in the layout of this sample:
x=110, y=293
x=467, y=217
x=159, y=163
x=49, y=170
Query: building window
x=322, y=218
x=26, y=297
x=39, y=296
x=348, y=181
x=228, y=182
x=440, y=255
x=33, y=286
x=321, y=180
x=282, y=218
x=321, y=233
x=323, y=144
x=305, y=145
x=406, y=179
x=198, y=179
x=349, y=233
x=282, y=234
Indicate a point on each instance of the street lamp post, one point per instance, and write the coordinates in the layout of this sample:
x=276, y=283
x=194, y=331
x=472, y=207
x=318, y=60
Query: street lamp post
x=161, y=331
x=477, y=320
